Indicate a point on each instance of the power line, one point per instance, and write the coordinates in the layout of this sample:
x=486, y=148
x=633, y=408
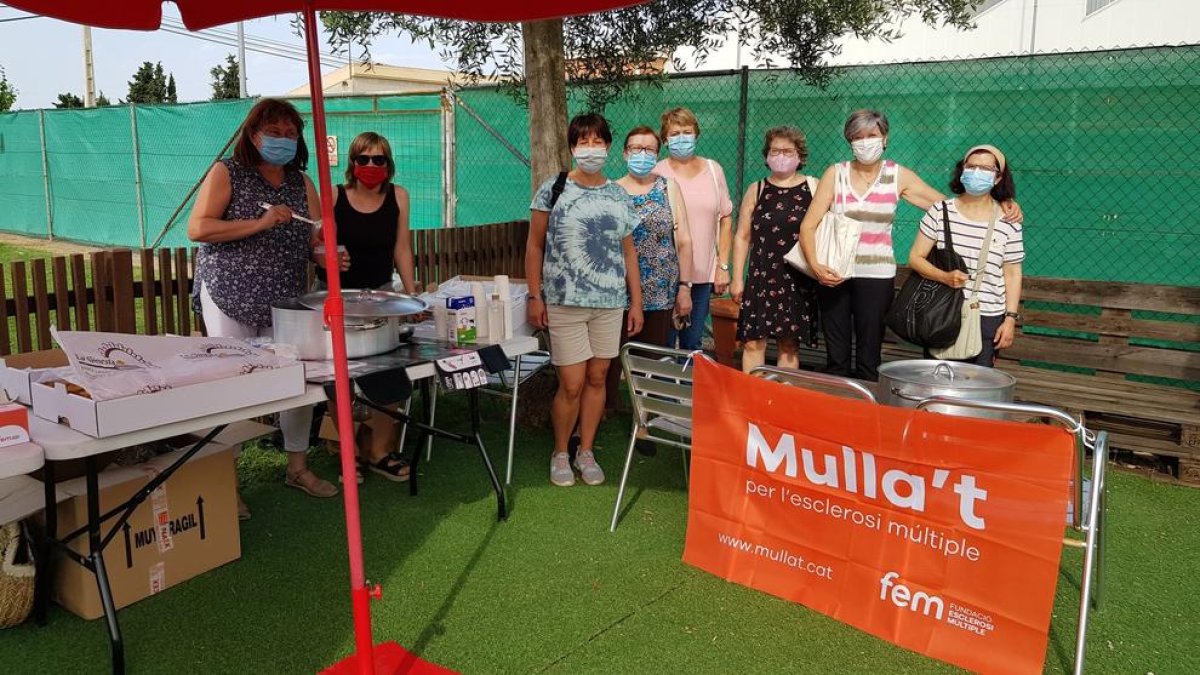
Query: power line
x=277, y=46
x=232, y=42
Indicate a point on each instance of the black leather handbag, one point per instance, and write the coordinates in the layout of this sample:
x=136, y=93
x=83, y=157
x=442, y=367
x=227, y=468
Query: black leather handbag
x=928, y=313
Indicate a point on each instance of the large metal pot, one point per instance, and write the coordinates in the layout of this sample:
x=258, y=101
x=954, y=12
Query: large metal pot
x=305, y=328
x=907, y=383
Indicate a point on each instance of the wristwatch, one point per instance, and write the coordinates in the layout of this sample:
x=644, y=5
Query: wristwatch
x=724, y=267
x=1016, y=316
x=686, y=284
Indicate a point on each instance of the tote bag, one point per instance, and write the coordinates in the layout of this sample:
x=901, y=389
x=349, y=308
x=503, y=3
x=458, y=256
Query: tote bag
x=928, y=313
x=837, y=236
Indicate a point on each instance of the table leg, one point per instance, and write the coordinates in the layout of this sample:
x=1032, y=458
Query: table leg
x=473, y=404
x=41, y=595
x=96, y=560
x=430, y=414
x=422, y=434
x=512, y=420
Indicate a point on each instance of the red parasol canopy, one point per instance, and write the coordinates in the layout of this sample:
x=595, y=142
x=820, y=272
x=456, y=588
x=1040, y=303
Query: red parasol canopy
x=368, y=658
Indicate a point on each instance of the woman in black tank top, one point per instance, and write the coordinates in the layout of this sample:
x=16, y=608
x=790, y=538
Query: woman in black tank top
x=372, y=222
x=372, y=219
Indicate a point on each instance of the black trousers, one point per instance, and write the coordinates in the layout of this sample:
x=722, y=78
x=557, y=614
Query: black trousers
x=852, y=313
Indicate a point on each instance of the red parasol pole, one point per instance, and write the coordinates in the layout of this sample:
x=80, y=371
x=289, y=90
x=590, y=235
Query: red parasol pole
x=334, y=314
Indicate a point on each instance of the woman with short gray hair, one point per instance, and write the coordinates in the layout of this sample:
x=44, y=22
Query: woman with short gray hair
x=853, y=309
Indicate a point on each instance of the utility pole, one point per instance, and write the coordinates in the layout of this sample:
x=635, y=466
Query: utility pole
x=89, y=75
x=241, y=61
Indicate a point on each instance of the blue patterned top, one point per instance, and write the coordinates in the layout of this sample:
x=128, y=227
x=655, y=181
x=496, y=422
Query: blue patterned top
x=245, y=276
x=584, y=263
x=658, y=261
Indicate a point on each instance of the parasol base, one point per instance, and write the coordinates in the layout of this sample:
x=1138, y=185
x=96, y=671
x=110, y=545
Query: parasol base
x=390, y=659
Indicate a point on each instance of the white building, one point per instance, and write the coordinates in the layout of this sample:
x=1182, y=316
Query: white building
x=1007, y=27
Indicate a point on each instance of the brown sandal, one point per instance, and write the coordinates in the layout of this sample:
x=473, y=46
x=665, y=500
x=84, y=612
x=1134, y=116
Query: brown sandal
x=313, y=486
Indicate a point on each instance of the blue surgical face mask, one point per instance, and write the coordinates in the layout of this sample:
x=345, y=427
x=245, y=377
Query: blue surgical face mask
x=591, y=160
x=641, y=163
x=682, y=146
x=277, y=150
x=978, y=181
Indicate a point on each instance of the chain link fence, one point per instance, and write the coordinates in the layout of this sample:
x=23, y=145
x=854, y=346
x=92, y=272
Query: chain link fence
x=1103, y=145
x=118, y=176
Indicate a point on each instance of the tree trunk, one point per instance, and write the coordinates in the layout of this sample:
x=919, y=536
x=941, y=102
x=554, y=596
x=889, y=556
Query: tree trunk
x=545, y=81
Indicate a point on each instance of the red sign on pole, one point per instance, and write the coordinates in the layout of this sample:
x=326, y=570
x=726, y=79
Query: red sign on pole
x=941, y=534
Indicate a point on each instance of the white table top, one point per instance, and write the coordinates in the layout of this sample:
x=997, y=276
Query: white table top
x=20, y=459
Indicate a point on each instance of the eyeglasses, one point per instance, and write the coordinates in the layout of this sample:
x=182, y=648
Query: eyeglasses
x=377, y=160
x=641, y=148
x=775, y=152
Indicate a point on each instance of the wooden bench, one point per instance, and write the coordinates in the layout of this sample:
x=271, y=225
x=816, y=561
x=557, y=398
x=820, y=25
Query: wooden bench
x=1133, y=352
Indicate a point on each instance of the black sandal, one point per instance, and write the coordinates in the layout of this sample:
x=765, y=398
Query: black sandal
x=392, y=467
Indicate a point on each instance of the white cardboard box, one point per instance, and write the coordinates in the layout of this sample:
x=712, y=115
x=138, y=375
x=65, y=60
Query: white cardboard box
x=520, y=317
x=131, y=413
x=16, y=371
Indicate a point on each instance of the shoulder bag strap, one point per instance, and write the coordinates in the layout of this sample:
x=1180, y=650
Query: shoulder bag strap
x=712, y=171
x=983, y=253
x=946, y=227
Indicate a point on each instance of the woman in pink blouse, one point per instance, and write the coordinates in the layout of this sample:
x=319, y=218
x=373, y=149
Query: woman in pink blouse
x=706, y=201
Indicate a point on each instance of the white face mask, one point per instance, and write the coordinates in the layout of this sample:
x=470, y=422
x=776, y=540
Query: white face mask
x=591, y=160
x=867, y=150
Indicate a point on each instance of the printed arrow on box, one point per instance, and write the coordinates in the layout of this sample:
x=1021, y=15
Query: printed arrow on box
x=128, y=547
x=200, y=515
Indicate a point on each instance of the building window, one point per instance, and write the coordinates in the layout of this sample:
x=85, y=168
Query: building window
x=1094, y=6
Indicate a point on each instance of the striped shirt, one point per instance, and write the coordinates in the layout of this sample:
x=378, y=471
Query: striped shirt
x=874, y=211
x=1007, y=247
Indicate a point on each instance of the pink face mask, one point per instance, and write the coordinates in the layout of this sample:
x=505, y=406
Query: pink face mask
x=783, y=163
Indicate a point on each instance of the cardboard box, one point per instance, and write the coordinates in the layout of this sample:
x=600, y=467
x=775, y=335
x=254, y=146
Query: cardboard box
x=519, y=314
x=131, y=413
x=14, y=424
x=187, y=527
x=17, y=370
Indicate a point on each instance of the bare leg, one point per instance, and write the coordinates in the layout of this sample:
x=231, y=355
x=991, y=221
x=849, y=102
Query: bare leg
x=565, y=410
x=754, y=354
x=591, y=408
x=789, y=354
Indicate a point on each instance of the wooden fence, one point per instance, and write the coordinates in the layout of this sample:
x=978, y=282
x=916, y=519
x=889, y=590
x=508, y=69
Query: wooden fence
x=148, y=290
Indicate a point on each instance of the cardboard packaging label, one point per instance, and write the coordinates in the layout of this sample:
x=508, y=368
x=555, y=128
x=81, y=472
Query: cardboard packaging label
x=14, y=424
x=462, y=319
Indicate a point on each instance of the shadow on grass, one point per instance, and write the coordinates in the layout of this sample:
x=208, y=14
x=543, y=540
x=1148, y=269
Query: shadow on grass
x=435, y=627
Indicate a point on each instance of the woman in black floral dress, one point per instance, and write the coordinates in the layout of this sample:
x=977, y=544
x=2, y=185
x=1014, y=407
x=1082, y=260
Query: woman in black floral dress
x=777, y=302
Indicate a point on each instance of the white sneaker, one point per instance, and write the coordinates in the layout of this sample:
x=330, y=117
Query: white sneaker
x=591, y=472
x=560, y=470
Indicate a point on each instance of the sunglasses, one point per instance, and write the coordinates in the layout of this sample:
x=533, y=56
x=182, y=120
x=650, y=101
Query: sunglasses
x=377, y=160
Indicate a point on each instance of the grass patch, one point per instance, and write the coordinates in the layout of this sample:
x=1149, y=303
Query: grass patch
x=551, y=590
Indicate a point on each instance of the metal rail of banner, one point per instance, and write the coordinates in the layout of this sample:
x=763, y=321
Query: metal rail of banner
x=1094, y=525
x=803, y=377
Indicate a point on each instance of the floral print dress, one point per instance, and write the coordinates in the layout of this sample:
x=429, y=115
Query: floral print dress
x=779, y=301
x=654, y=238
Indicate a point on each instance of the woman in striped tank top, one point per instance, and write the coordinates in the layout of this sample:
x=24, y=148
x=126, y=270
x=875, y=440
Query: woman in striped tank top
x=853, y=309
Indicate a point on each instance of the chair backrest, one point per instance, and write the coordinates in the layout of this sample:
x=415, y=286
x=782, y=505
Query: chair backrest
x=660, y=385
x=829, y=384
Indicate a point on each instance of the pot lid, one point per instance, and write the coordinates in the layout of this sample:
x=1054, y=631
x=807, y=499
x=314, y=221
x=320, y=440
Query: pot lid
x=930, y=372
x=369, y=302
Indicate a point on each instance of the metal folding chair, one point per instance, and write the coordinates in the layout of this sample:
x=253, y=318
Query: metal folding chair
x=660, y=389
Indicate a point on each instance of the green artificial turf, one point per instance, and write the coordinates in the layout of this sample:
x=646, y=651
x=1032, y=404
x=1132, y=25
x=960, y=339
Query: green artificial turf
x=551, y=590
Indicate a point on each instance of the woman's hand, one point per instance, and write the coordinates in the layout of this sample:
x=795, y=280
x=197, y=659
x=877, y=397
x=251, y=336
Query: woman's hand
x=276, y=215
x=1006, y=333
x=722, y=282
x=955, y=278
x=633, y=325
x=826, y=276
x=535, y=310
x=344, y=259
x=736, y=288
x=683, y=301
x=1011, y=211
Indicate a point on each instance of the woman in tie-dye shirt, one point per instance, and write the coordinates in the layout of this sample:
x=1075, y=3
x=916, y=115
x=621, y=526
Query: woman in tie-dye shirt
x=582, y=268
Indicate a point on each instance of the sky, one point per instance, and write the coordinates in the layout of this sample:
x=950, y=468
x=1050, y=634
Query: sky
x=44, y=57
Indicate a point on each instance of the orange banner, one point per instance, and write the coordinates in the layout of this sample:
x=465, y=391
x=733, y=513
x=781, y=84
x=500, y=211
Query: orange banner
x=940, y=534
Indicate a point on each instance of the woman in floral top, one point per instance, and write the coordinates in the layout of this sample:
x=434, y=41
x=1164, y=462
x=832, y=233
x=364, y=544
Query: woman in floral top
x=776, y=300
x=662, y=240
